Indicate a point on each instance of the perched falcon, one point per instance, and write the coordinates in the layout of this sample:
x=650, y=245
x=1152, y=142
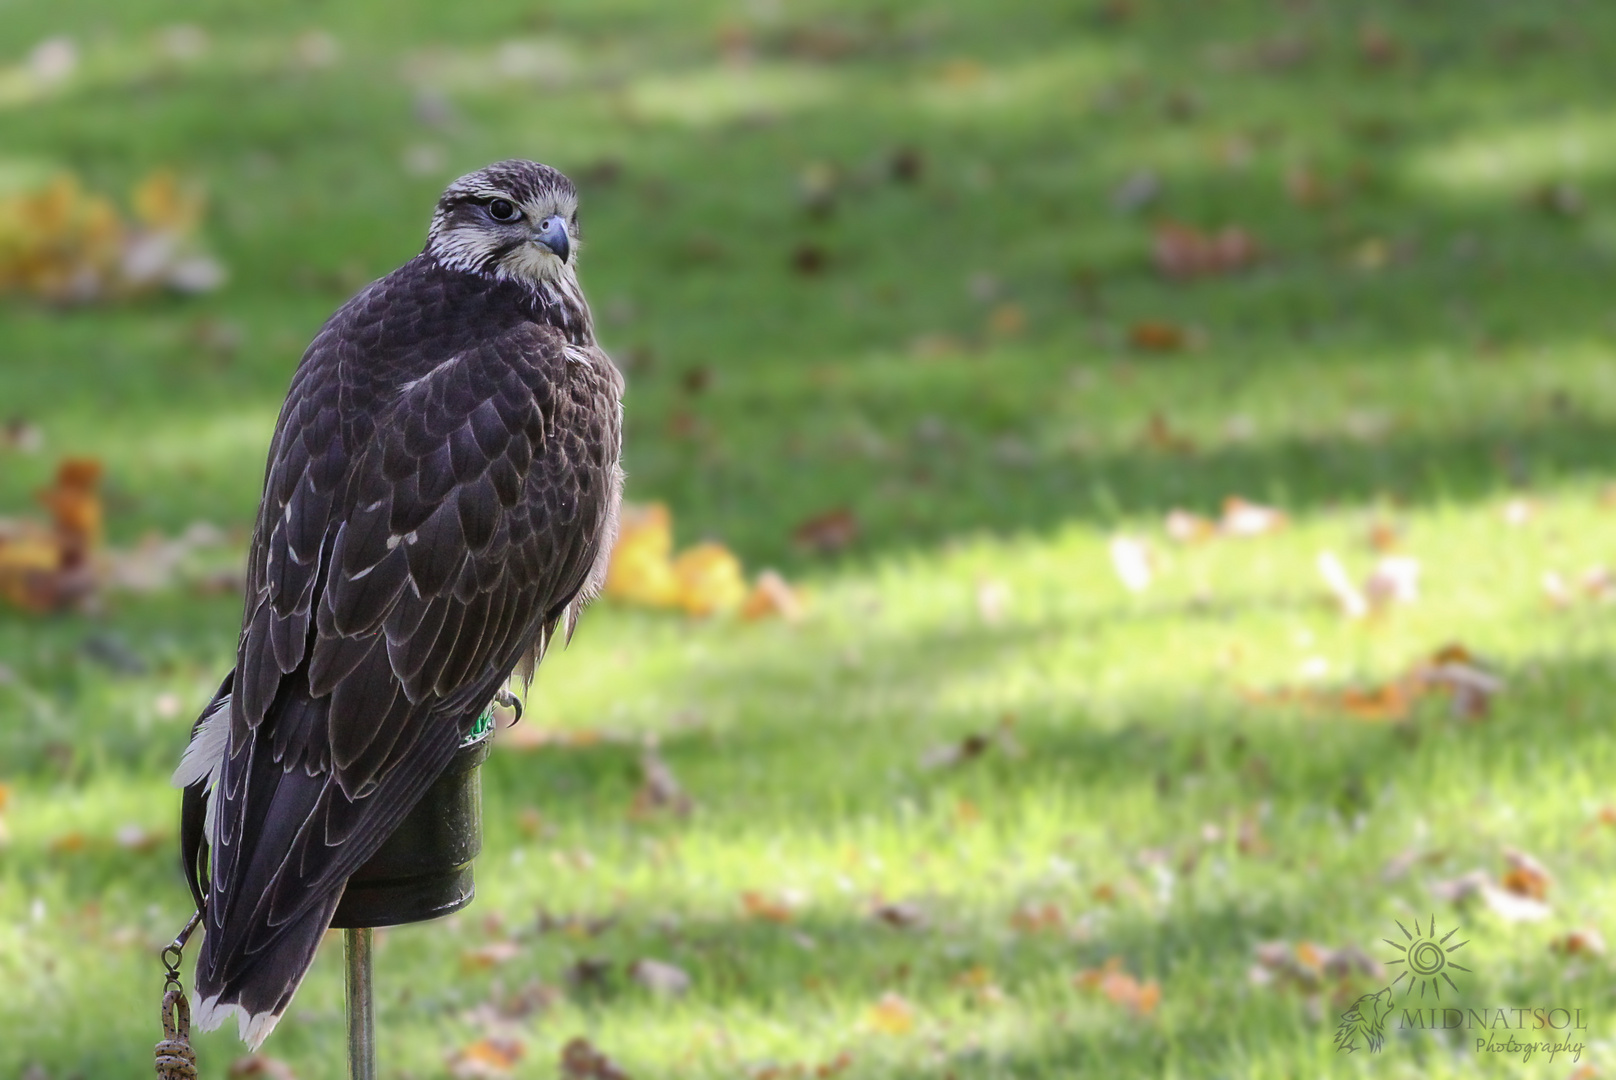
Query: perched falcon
x=441, y=498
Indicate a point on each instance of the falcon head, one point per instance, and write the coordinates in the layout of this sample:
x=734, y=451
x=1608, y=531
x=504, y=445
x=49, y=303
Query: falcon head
x=515, y=220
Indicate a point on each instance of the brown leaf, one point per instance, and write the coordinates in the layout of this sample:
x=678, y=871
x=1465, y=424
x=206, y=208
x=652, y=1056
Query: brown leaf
x=1377, y=47
x=1183, y=252
x=900, y=914
x=1008, y=320
x=809, y=259
x=1160, y=435
x=1586, y=940
x=1157, y=336
x=659, y=789
x=907, y=165
x=828, y=532
x=581, y=1061
x=588, y=973
x=261, y=1065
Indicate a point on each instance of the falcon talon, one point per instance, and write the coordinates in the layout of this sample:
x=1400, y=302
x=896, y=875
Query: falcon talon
x=507, y=700
x=442, y=494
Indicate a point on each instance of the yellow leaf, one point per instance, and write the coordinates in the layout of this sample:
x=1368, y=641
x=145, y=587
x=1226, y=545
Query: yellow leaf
x=709, y=579
x=641, y=570
x=161, y=203
x=892, y=1015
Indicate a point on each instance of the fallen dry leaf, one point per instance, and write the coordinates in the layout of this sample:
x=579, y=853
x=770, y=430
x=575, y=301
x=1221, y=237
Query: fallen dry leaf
x=892, y=1015
x=1586, y=940
x=659, y=789
x=772, y=596
x=1122, y=988
x=1187, y=528
x=490, y=955
x=1183, y=252
x=972, y=746
x=1008, y=320
x=900, y=914
x=1159, y=435
x=65, y=245
x=1033, y=918
x=1243, y=518
x=1154, y=336
x=581, y=1061
x=491, y=1056
x=708, y=580
x=1525, y=876
x=781, y=908
x=261, y=1065
x=138, y=839
x=641, y=570
x=662, y=979
x=828, y=532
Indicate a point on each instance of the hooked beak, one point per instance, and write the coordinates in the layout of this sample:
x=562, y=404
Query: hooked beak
x=552, y=233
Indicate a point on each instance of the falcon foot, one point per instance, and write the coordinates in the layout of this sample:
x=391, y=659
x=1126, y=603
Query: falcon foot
x=507, y=700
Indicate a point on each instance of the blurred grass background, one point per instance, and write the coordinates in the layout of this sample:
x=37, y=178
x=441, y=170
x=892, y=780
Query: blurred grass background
x=893, y=260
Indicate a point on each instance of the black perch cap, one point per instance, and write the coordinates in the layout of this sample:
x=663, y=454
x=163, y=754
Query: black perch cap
x=424, y=870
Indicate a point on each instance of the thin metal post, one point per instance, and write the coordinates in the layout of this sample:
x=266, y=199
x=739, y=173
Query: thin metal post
x=361, y=1006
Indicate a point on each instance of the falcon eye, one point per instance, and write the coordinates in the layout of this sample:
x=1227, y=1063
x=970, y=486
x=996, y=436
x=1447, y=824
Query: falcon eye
x=503, y=210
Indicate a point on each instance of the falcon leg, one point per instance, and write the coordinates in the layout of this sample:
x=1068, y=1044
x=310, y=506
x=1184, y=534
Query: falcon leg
x=361, y=1006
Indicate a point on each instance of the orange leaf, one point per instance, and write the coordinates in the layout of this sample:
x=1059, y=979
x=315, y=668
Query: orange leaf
x=1156, y=336
x=490, y=955
x=772, y=596
x=759, y=905
x=1008, y=319
x=487, y=1057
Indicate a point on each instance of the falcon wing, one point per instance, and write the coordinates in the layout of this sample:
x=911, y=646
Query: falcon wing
x=401, y=567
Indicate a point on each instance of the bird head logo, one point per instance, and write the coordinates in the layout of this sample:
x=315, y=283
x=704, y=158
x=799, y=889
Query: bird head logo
x=1365, y=1022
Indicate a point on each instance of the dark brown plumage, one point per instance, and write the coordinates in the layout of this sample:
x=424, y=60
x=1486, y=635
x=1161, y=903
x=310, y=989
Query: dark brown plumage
x=441, y=495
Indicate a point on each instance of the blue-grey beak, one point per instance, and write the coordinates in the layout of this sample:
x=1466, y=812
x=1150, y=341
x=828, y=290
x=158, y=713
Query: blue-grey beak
x=552, y=233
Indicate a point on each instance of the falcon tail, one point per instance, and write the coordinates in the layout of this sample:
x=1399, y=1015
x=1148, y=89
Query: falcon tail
x=258, y=995
x=269, y=841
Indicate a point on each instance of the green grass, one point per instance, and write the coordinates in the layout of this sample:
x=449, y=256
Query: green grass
x=1473, y=366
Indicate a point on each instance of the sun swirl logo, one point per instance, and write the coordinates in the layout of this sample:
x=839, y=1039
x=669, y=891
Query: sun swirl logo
x=1427, y=957
x=1426, y=961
